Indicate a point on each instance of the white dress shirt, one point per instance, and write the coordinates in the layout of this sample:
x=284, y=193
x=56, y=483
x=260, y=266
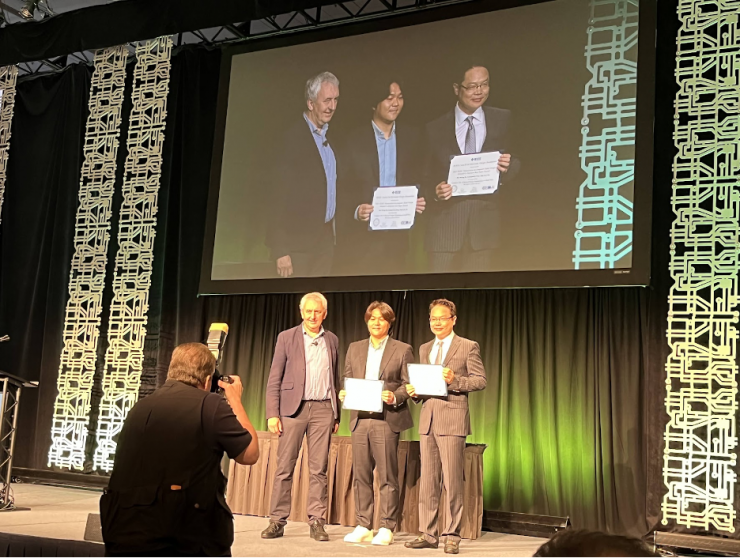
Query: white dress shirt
x=461, y=128
x=446, y=342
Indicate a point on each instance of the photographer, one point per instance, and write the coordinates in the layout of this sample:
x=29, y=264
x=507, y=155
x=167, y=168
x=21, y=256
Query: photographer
x=166, y=492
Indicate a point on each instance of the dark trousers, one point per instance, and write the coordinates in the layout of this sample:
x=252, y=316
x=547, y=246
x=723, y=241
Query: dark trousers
x=318, y=261
x=375, y=445
x=462, y=261
x=315, y=420
x=442, y=462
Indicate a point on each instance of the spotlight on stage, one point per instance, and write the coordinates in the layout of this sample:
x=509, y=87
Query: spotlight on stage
x=28, y=11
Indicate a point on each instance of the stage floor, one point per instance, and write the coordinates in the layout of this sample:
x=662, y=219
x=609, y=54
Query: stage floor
x=62, y=513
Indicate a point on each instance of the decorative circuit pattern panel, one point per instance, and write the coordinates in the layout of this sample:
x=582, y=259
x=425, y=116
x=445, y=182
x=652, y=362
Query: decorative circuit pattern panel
x=8, y=75
x=128, y=312
x=604, y=227
x=700, y=456
x=87, y=274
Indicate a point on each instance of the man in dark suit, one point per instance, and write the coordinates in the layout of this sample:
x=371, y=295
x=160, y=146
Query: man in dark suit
x=462, y=232
x=375, y=435
x=302, y=233
x=302, y=400
x=379, y=154
x=166, y=493
x=443, y=426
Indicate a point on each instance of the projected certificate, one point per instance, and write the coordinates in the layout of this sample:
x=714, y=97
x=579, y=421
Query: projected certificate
x=363, y=395
x=394, y=208
x=474, y=174
x=427, y=379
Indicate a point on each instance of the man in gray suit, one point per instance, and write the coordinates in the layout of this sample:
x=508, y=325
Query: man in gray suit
x=302, y=400
x=444, y=425
x=375, y=435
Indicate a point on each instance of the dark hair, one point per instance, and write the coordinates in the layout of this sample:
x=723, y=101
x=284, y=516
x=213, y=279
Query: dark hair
x=446, y=303
x=581, y=542
x=380, y=90
x=467, y=69
x=192, y=364
x=385, y=310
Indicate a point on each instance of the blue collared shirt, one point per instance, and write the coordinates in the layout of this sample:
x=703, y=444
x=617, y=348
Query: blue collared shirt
x=386, y=155
x=330, y=166
x=374, y=358
x=318, y=368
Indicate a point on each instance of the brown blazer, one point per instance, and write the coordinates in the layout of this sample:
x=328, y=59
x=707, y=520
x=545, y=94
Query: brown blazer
x=394, y=374
x=449, y=416
x=287, y=377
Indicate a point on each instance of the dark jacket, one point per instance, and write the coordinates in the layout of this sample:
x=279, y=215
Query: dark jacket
x=450, y=220
x=166, y=492
x=358, y=180
x=393, y=372
x=300, y=196
x=287, y=378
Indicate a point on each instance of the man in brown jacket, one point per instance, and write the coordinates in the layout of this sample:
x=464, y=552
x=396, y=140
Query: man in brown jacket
x=375, y=435
x=443, y=426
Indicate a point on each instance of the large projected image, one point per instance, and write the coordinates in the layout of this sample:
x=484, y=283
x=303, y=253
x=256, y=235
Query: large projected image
x=496, y=142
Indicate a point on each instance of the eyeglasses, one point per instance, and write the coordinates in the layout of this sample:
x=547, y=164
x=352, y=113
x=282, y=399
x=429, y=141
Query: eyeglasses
x=440, y=320
x=476, y=86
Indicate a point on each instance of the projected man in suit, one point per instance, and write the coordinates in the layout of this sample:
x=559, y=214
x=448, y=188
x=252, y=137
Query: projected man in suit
x=379, y=154
x=375, y=435
x=302, y=400
x=443, y=426
x=302, y=234
x=462, y=232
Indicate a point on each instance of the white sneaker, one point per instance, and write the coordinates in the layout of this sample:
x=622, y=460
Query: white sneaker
x=359, y=535
x=384, y=537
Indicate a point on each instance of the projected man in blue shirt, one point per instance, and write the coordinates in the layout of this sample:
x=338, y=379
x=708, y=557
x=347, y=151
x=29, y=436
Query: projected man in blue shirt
x=302, y=236
x=379, y=154
x=462, y=231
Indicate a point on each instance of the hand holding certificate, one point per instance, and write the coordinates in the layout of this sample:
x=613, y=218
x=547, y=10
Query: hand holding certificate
x=428, y=379
x=474, y=174
x=363, y=395
x=394, y=208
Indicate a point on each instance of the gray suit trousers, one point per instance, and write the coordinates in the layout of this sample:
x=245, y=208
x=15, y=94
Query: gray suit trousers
x=315, y=420
x=375, y=445
x=442, y=462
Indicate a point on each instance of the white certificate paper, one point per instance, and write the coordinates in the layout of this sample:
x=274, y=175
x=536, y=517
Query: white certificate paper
x=474, y=174
x=394, y=208
x=427, y=379
x=363, y=395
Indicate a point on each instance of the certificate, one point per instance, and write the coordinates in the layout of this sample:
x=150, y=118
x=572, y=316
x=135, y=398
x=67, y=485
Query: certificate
x=394, y=208
x=427, y=379
x=363, y=395
x=474, y=174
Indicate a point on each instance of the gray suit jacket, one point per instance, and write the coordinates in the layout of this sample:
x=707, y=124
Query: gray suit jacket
x=394, y=374
x=288, y=373
x=449, y=416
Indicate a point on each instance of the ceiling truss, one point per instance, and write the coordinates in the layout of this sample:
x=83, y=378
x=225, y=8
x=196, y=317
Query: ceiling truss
x=283, y=24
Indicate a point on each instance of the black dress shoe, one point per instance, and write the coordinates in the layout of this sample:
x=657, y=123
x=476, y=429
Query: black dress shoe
x=273, y=531
x=452, y=547
x=420, y=542
x=317, y=532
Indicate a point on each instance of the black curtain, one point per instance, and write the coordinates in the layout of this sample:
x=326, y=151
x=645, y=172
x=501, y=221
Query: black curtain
x=38, y=220
x=573, y=413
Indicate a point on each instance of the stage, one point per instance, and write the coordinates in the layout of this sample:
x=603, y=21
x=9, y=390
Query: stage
x=61, y=513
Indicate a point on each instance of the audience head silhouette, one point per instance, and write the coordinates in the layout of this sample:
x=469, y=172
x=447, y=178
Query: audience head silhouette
x=581, y=542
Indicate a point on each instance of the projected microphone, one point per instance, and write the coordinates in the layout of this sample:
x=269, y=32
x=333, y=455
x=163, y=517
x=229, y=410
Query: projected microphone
x=326, y=143
x=216, y=338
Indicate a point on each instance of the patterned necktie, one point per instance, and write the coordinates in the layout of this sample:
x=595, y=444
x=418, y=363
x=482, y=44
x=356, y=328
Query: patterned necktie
x=470, y=137
x=438, y=358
